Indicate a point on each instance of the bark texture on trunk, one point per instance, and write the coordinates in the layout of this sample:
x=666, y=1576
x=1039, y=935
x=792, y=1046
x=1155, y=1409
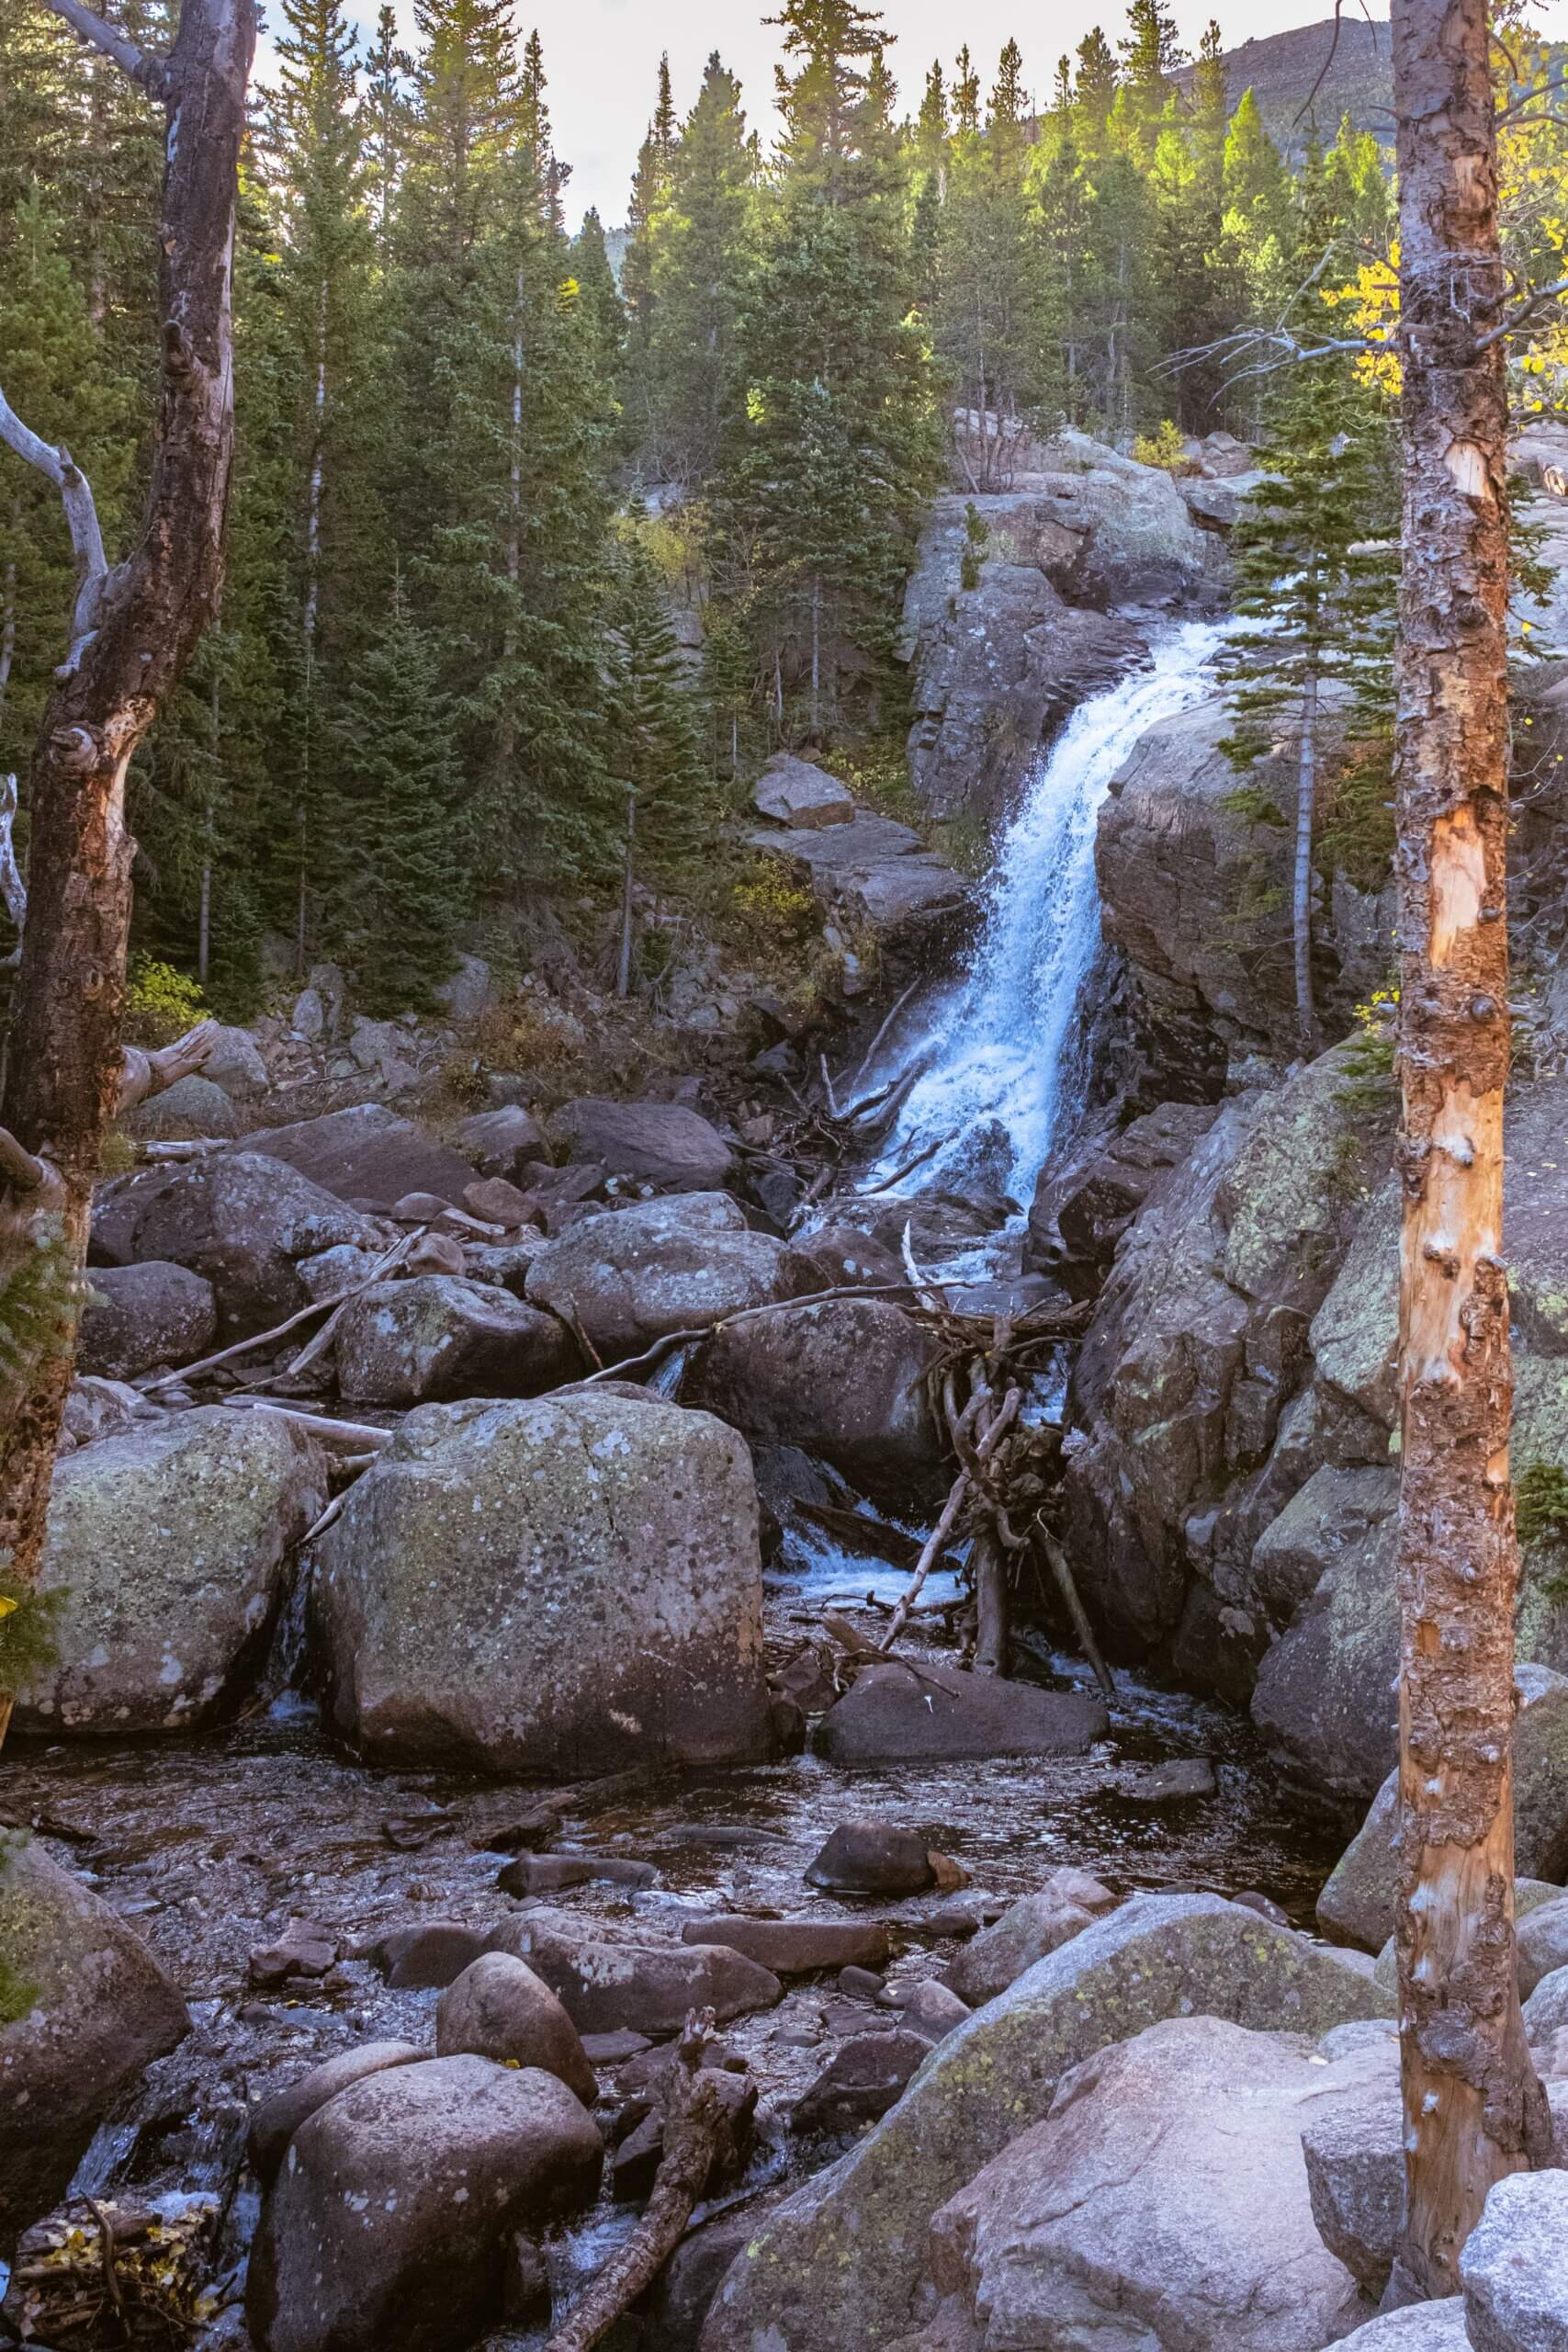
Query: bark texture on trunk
x=1474, y=2110
x=135, y=628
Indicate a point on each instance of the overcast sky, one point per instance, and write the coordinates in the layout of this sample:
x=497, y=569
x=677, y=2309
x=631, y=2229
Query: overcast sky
x=603, y=56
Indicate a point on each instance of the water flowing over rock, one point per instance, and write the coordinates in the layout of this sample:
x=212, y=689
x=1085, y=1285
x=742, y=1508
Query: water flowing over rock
x=570, y=1584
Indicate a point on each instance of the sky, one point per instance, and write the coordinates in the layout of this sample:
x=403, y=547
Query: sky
x=602, y=57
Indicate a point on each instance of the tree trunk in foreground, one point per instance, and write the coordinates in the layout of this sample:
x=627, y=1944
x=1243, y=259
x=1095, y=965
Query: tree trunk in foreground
x=1474, y=2109
x=134, y=629
x=1301, y=886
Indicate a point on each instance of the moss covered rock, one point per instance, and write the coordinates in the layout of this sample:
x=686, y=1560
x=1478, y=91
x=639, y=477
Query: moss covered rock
x=83, y=2007
x=842, y=2261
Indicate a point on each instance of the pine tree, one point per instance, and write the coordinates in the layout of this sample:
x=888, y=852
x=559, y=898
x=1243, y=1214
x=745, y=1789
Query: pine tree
x=1315, y=576
x=701, y=254
x=1095, y=90
x=397, y=893
x=832, y=453
x=602, y=310
x=1153, y=52
x=669, y=797
x=651, y=184
x=388, y=70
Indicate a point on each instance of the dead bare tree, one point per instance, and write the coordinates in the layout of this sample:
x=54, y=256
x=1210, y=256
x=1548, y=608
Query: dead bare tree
x=1474, y=2109
x=133, y=629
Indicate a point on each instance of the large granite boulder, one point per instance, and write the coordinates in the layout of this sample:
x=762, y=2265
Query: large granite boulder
x=1163, y=2204
x=194, y=1105
x=1356, y=1906
x=1085, y=1202
x=233, y=1061
x=843, y=2259
x=84, y=2007
x=891, y=1717
x=878, y=875
x=796, y=793
x=843, y=1380
x=391, y=2219
x=170, y=1547
x=630, y=1276
x=560, y=1586
x=367, y=1153
x=439, y=1336
x=613, y=1977
x=1514, y=2266
x=241, y=1221
x=141, y=1315
x=658, y=1143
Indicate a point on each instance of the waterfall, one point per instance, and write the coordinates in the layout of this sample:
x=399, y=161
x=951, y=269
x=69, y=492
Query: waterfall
x=997, y=1078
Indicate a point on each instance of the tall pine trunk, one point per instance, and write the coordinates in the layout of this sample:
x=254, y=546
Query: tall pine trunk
x=66, y=1077
x=1301, y=891
x=624, y=968
x=1474, y=2109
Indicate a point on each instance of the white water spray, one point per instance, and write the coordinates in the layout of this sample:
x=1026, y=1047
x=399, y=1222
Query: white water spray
x=996, y=1049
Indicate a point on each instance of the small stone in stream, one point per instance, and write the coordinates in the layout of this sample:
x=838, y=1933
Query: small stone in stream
x=796, y=1947
x=860, y=1984
x=947, y=1875
x=551, y=1873
x=613, y=2048
x=861, y=2081
x=436, y=1253
x=808, y=1677
x=499, y=1202
x=636, y=2160
x=872, y=1858
x=388, y=2227
x=786, y=1722
x=851, y=2017
x=527, y=1831
x=435, y=1953
x=498, y=2008
x=796, y=2037
x=303, y=1949
x=647, y=2070
x=932, y=2010
x=275, y=2121
x=525, y=2300
x=1265, y=1906
x=891, y=1717
x=1190, y=1776
x=725, y=1837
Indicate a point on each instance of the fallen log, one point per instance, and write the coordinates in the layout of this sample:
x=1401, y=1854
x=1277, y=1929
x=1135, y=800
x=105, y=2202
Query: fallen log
x=697, y=2132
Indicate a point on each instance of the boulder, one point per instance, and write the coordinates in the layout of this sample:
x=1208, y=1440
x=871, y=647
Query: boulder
x=96, y=1409
x=242, y=1222
x=878, y=876
x=84, y=2007
x=502, y=1142
x=169, y=1546
x=388, y=2225
x=1420, y=2327
x=1355, y=2168
x=499, y=2008
x=337, y=1272
x=194, y=1105
x=626, y=1277
x=1542, y=1944
x=233, y=1061
x=873, y=1857
x=843, y=1380
x=1546, y=2010
x=796, y=1947
x=1356, y=1905
x=795, y=792
x=1036, y=1924
x=659, y=1143
x=842, y=1255
x=141, y=1315
x=1162, y=2205
x=1514, y=2266
x=564, y=1584
x=366, y=1153
x=433, y=1954
x=865, y=2078
x=843, y=2259
x=437, y=1336
x=1325, y=1702
x=933, y=2010
x=608, y=1976
x=1085, y=1202
x=890, y=1716
x=276, y=2118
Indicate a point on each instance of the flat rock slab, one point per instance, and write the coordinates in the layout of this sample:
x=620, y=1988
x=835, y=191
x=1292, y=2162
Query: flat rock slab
x=607, y=1978
x=895, y=1716
x=880, y=872
x=366, y=1153
x=661, y=1143
x=796, y=793
x=796, y=1947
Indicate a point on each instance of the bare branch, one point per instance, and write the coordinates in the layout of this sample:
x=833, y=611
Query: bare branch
x=75, y=491
x=13, y=890
x=1517, y=317
x=151, y=74
x=18, y=1169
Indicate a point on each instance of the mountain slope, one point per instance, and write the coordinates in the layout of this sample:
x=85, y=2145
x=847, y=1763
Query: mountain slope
x=1282, y=68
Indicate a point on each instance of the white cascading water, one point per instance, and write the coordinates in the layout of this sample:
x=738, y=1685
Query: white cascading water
x=996, y=1053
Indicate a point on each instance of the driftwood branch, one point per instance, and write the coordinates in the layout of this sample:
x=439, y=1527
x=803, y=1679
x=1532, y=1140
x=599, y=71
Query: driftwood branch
x=60, y=468
x=331, y=1307
x=150, y=74
x=18, y=1169
x=696, y=2132
x=13, y=889
x=144, y=1074
x=1067, y=1583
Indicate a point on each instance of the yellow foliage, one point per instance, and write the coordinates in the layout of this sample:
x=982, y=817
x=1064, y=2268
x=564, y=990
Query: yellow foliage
x=161, y=1005
x=1165, y=449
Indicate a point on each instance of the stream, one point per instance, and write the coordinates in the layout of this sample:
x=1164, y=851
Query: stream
x=208, y=1845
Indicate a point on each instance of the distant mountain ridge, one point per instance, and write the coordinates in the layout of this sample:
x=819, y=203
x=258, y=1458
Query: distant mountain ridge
x=1281, y=69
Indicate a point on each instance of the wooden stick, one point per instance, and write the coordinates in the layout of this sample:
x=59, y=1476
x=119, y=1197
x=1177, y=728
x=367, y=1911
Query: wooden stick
x=280, y=1330
x=934, y=1545
x=331, y=1432
x=697, y=2130
x=833, y=1110
x=989, y=1571
x=870, y=1054
x=909, y=1168
x=1056, y=1559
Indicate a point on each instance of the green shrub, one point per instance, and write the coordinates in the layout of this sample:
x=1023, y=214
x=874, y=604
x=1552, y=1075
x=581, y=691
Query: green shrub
x=161, y=1005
